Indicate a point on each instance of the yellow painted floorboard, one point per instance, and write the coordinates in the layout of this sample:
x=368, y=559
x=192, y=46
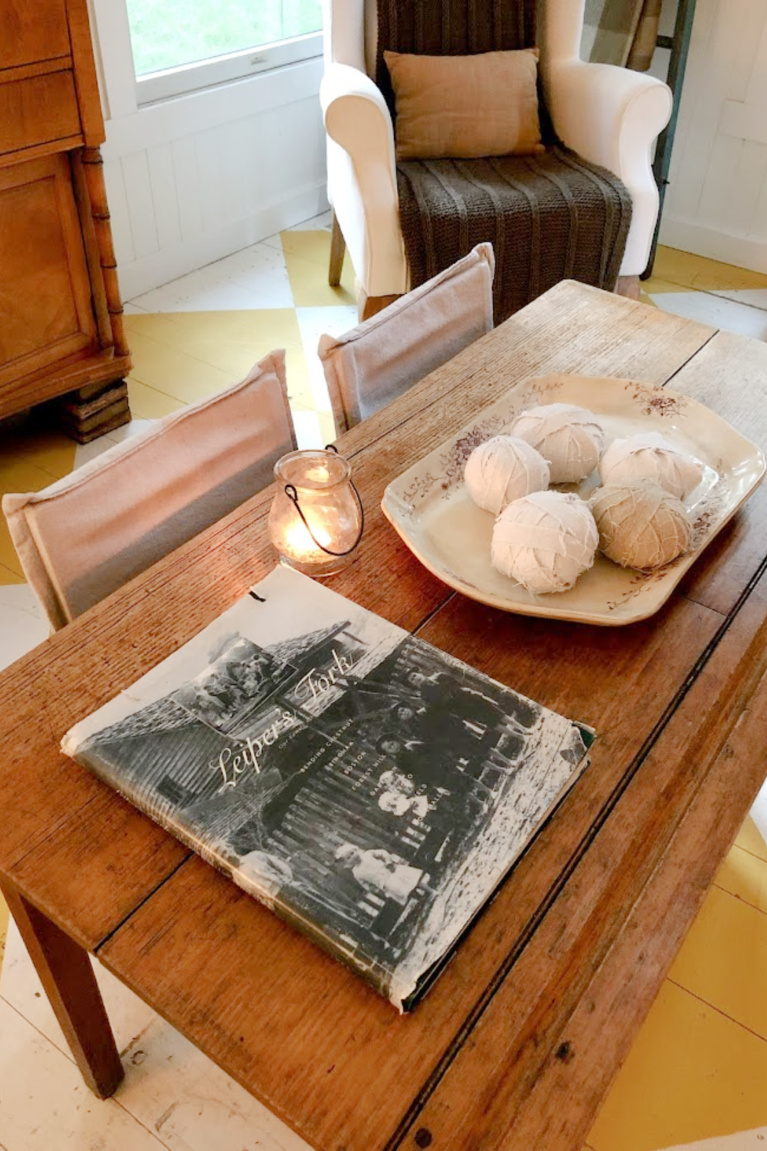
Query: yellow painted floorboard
x=147, y=403
x=723, y=960
x=306, y=258
x=691, y=1074
x=751, y=839
x=17, y=475
x=701, y=274
x=187, y=356
x=229, y=342
x=9, y=575
x=50, y=451
x=744, y=875
x=171, y=370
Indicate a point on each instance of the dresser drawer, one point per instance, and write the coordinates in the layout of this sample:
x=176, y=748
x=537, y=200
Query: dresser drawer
x=32, y=30
x=38, y=110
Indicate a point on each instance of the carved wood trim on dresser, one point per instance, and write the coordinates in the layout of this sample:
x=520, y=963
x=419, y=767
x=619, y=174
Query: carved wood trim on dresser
x=61, y=330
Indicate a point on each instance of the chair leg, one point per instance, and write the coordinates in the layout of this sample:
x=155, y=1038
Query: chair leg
x=67, y=976
x=368, y=306
x=628, y=286
x=337, y=251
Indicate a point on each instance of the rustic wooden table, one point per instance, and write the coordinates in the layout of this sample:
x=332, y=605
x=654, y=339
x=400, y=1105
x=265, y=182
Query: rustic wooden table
x=516, y=1044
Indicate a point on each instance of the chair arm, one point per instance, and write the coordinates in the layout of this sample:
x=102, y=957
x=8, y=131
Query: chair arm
x=355, y=112
x=608, y=115
x=612, y=117
x=362, y=178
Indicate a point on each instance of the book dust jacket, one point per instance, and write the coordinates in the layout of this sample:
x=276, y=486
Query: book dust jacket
x=369, y=788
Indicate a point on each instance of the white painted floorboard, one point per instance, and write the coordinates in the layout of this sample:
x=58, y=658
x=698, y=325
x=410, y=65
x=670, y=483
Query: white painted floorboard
x=22, y=624
x=755, y=1140
x=254, y=278
x=173, y=1096
x=716, y=310
x=45, y=1106
x=313, y=323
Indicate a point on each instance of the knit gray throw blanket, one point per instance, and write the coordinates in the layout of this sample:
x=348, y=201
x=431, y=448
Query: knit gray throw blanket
x=549, y=217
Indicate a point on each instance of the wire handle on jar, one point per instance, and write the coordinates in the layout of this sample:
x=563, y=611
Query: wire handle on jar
x=292, y=494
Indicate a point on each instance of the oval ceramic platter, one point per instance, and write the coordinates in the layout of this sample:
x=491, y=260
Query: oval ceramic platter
x=430, y=508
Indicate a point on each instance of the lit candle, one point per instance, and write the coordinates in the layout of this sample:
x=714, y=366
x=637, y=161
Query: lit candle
x=315, y=522
x=300, y=545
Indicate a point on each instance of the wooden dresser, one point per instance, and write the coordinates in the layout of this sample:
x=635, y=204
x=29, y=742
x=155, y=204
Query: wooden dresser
x=61, y=331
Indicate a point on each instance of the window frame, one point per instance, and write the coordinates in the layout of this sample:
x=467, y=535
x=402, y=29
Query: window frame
x=125, y=93
x=215, y=70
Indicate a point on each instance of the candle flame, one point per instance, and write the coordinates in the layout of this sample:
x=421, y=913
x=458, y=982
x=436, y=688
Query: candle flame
x=300, y=545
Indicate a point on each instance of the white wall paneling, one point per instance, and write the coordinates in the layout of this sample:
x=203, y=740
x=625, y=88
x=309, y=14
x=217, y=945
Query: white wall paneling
x=716, y=203
x=193, y=178
x=141, y=213
x=165, y=194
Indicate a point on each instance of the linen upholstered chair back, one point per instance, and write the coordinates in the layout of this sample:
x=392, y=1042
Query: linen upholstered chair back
x=384, y=356
x=89, y=533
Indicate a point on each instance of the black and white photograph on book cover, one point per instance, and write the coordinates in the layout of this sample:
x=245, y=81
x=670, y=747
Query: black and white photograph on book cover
x=370, y=788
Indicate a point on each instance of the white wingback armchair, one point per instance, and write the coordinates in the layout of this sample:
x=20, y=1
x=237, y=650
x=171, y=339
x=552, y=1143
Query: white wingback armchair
x=608, y=115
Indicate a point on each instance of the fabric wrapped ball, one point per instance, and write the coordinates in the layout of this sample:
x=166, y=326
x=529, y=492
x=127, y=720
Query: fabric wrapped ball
x=649, y=456
x=569, y=437
x=503, y=469
x=640, y=525
x=544, y=541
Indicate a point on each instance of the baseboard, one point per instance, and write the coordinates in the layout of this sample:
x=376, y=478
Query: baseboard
x=158, y=268
x=742, y=251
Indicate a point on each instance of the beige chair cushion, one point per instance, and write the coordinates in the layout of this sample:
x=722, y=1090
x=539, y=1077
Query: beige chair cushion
x=465, y=106
x=92, y=531
x=382, y=357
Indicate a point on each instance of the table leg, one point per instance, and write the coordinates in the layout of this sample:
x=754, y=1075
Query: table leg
x=68, y=979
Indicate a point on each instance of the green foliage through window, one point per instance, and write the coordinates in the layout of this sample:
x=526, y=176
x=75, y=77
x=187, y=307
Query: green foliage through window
x=168, y=33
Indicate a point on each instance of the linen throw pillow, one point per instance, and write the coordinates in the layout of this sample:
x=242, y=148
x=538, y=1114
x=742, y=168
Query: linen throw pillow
x=462, y=107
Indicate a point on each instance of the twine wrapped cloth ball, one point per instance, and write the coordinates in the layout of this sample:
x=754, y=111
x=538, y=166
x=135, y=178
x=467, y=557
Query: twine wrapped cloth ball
x=649, y=456
x=640, y=525
x=544, y=541
x=569, y=437
x=503, y=469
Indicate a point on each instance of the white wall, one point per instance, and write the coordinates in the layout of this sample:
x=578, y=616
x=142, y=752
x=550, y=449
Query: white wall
x=716, y=202
x=193, y=178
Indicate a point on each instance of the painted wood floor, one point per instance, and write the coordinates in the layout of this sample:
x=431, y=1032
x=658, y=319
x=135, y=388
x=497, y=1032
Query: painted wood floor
x=697, y=1073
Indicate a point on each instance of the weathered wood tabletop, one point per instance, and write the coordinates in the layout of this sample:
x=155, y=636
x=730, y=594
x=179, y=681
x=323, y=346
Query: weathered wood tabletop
x=516, y=1044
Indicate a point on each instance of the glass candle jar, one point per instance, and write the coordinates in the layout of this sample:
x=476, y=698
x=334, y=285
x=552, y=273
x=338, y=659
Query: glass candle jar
x=316, y=518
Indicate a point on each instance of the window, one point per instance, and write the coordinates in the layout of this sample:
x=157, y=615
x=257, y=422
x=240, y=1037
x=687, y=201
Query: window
x=180, y=45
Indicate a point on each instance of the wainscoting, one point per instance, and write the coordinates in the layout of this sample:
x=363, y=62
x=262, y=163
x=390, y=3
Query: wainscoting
x=193, y=178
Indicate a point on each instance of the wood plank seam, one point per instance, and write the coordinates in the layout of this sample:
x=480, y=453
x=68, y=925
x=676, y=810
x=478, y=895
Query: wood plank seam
x=435, y=611
x=689, y=359
x=149, y=895
x=56, y=920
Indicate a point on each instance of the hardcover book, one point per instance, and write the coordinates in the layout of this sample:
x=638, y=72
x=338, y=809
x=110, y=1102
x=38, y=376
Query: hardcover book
x=369, y=788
